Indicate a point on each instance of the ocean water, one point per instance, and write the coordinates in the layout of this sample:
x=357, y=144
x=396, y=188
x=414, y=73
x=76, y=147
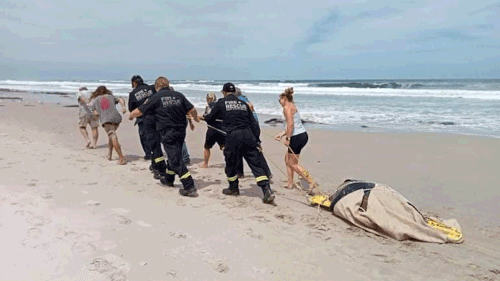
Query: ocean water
x=462, y=106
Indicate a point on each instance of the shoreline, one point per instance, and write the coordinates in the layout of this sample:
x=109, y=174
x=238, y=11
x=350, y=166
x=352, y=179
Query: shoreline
x=67, y=100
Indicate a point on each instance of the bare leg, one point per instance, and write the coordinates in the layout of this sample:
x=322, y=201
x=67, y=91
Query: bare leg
x=118, y=149
x=206, y=157
x=110, y=146
x=85, y=135
x=289, y=171
x=95, y=135
x=293, y=162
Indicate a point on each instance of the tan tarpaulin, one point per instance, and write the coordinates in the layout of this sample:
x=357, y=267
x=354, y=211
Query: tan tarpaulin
x=389, y=214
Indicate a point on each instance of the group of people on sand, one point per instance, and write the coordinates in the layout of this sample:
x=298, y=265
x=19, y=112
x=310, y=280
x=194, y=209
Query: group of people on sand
x=163, y=114
x=100, y=107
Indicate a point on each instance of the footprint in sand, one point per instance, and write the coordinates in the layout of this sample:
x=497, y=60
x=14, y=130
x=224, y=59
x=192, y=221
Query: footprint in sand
x=260, y=219
x=178, y=235
x=217, y=264
x=37, y=220
x=121, y=219
x=252, y=234
x=285, y=218
x=92, y=203
x=84, y=248
x=108, y=245
x=113, y=267
x=46, y=195
x=320, y=234
x=34, y=233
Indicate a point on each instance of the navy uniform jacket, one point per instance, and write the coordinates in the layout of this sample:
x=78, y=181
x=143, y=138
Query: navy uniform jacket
x=235, y=115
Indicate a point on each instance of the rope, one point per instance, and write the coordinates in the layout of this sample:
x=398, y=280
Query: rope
x=306, y=172
x=296, y=183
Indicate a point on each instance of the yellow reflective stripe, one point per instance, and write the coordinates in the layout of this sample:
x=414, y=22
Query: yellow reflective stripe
x=159, y=159
x=186, y=175
x=170, y=172
x=232, y=178
x=261, y=178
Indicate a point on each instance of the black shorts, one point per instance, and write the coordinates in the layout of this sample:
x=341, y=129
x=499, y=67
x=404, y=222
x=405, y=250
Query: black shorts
x=298, y=142
x=213, y=137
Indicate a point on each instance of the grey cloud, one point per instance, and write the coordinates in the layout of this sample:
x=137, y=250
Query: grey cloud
x=484, y=46
x=378, y=13
x=332, y=23
x=449, y=34
x=490, y=8
x=320, y=30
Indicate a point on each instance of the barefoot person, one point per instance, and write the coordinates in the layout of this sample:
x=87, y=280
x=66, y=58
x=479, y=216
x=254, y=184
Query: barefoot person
x=86, y=117
x=104, y=103
x=170, y=109
x=295, y=138
x=212, y=136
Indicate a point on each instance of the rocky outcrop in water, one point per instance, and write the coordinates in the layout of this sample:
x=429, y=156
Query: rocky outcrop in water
x=446, y=123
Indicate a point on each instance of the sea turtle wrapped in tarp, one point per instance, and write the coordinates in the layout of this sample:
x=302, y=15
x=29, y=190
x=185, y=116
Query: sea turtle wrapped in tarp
x=379, y=209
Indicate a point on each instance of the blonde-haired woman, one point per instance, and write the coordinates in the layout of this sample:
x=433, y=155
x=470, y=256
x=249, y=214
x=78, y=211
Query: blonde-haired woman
x=212, y=136
x=296, y=138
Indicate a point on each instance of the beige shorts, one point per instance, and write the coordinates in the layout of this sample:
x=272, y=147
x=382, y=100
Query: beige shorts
x=94, y=123
x=110, y=129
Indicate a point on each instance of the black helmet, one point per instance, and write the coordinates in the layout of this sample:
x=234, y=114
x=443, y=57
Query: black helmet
x=137, y=79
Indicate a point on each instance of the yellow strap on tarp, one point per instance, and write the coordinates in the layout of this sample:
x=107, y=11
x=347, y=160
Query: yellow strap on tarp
x=170, y=172
x=186, y=175
x=452, y=233
x=320, y=200
x=232, y=178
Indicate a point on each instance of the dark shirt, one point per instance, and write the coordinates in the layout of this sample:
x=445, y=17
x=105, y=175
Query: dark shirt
x=235, y=115
x=215, y=123
x=138, y=95
x=169, y=108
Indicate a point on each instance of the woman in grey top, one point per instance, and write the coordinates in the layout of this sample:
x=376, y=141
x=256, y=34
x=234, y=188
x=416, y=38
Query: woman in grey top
x=104, y=103
x=85, y=117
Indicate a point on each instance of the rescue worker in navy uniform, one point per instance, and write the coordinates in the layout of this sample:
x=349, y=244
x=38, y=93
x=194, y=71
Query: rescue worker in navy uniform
x=170, y=109
x=150, y=138
x=139, y=94
x=242, y=140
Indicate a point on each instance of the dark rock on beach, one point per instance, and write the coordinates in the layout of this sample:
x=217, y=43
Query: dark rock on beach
x=274, y=121
x=11, y=98
x=439, y=123
x=11, y=90
x=54, y=93
x=73, y=105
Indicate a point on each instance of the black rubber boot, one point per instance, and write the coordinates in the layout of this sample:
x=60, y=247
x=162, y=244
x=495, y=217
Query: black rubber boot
x=232, y=189
x=167, y=179
x=268, y=193
x=188, y=188
x=188, y=192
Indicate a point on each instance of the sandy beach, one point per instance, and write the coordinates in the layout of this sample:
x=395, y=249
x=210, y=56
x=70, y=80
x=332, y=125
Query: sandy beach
x=67, y=213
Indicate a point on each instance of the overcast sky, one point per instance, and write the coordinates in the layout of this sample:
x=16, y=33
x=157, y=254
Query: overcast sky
x=254, y=39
